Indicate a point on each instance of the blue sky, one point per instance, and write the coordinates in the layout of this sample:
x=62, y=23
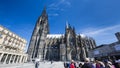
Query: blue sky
x=99, y=19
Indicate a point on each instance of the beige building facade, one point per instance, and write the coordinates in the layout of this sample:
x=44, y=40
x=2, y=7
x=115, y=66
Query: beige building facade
x=12, y=47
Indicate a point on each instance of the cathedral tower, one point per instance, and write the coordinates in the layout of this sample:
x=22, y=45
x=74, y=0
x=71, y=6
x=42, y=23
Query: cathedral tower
x=70, y=38
x=37, y=44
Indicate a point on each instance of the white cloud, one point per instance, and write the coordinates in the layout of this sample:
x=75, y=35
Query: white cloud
x=96, y=31
x=54, y=14
x=66, y=2
x=103, y=35
x=52, y=5
x=56, y=7
x=57, y=4
x=60, y=2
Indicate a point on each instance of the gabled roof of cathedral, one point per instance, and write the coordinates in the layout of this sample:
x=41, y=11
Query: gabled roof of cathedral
x=55, y=35
x=83, y=35
x=62, y=35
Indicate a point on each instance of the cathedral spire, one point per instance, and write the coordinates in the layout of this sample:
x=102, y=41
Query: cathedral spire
x=40, y=31
x=44, y=13
x=67, y=25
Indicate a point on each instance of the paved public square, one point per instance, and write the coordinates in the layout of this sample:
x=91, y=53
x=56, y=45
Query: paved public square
x=32, y=65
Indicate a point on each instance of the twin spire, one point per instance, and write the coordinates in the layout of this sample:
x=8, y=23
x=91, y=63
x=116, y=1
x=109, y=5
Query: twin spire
x=67, y=25
x=44, y=13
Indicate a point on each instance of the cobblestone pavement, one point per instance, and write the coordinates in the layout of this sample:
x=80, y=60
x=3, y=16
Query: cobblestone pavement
x=32, y=65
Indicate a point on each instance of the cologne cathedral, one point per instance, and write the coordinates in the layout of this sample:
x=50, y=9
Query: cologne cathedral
x=57, y=47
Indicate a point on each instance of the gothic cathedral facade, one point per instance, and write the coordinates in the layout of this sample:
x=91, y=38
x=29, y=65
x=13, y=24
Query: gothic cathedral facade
x=57, y=47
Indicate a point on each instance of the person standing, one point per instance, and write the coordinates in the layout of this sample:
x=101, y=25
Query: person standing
x=80, y=65
x=98, y=64
x=37, y=64
x=77, y=64
x=51, y=61
x=93, y=64
x=72, y=65
x=65, y=65
x=87, y=64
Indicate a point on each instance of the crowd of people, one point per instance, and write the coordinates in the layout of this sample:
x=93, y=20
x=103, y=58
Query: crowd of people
x=92, y=64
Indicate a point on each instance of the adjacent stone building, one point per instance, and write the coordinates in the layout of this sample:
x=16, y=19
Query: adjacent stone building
x=107, y=51
x=12, y=47
x=58, y=47
x=118, y=35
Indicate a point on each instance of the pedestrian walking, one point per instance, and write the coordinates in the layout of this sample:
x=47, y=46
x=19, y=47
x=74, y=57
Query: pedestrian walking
x=93, y=64
x=65, y=65
x=77, y=64
x=80, y=65
x=51, y=61
x=72, y=65
x=109, y=64
x=37, y=64
x=68, y=65
x=87, y=63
